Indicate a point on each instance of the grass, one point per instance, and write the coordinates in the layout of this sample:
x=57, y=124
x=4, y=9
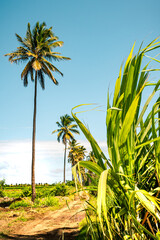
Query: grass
x=46, y=196
x=18, y=204
x=22, y=219
x=12, y=193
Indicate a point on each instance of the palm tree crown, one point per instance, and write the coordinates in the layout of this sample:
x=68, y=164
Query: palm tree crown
x=66, y=129
x=36, y=48
x=76, y=152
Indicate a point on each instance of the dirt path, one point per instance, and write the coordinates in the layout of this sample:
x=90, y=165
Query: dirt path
x=59, y=224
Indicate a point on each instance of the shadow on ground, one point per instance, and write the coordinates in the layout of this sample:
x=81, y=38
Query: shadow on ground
x=6, y=203
x=57, y=234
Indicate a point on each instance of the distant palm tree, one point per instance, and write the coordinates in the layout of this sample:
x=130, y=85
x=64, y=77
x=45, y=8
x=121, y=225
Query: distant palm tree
x=73, y=152
x=76, y=153
x=65, y=132
x=36, y=48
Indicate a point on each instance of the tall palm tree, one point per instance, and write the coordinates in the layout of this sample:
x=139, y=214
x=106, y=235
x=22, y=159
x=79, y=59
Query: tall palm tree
x=36, y=48
x=65, y=130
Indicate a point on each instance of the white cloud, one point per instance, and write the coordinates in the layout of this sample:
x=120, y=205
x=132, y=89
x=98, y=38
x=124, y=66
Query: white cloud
x=15, y=161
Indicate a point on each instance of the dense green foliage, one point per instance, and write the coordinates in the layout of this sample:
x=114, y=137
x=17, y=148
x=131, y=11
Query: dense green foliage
x=48, y=201
x=131, y=175
x=47, y=195
x=58, y=189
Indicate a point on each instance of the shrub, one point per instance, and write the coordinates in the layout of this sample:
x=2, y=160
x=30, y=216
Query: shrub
x=51, y=201
x=60, y=189
x=26, y=192
x=19, y=204
x=47, y=201
x=13, y=193
x=70, y=183
x=45, y=192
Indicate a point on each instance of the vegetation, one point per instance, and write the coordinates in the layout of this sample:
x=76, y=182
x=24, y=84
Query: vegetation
x=47, y=195
x=125, y=187
x=39, y=202
x=2, y=183
x=128, y=187
x=36, y=48
x=58, y=189
x=65, y=130
x=76, y=153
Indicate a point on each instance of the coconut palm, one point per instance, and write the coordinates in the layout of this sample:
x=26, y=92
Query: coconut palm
x=73, y=152
x=36, y=48
x=65, y=130
x=76, y=153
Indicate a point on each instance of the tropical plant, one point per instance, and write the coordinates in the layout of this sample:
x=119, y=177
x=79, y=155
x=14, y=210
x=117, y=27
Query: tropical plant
x=36, y=48
x=131, y=175
x=65, y=130
x=76, y=154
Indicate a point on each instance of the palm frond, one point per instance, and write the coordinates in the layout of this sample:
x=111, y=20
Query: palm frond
x=48, y=72
x=23, y=42
x=51, y=66
x=41, y=78
x=26, y=69
x=57, y=44
x=56, y=57
x=60, y=134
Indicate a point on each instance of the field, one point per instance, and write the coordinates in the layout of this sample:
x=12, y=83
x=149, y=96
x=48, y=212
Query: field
x=50, y=217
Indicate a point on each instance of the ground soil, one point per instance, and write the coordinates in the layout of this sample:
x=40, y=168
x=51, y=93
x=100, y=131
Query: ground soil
x=62, y=224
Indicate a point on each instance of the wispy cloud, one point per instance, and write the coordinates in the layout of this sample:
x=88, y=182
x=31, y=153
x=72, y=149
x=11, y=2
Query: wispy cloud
x=15, y=161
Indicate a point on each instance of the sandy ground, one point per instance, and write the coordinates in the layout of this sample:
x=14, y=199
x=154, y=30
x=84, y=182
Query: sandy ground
x=60, y=224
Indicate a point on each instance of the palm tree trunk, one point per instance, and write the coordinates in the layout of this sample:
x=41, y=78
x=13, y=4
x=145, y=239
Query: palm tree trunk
x=64, y=174
x=33, y=141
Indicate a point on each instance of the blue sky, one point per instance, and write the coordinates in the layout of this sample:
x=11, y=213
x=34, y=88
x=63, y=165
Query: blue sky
x=98, y=36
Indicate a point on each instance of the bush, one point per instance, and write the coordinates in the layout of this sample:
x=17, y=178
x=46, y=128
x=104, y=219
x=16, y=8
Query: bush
x=51, y=201
x=13, y=193
x=60, y=189
x=70, y=183
x=26, y=192
x=47, y=201
x=19, y=204
x=44, y=192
